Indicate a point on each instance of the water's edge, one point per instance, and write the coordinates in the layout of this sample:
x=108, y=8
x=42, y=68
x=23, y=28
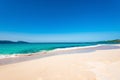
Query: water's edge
x=58, y=51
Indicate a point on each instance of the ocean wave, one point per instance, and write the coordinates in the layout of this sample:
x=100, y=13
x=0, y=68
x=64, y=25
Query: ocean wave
x=20, y=55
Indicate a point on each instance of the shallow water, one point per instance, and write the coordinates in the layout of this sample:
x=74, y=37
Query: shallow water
x=8, y=49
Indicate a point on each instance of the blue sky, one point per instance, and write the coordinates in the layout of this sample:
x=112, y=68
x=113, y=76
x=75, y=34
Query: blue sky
x=59, y=20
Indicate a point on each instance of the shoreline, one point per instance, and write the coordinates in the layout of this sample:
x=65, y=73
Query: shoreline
x=59, y=51
x=67, y=48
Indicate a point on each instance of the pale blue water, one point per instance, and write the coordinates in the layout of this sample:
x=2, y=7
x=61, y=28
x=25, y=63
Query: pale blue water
x=8, y=49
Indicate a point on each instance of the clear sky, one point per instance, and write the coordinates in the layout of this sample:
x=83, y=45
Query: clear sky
x=59, y=20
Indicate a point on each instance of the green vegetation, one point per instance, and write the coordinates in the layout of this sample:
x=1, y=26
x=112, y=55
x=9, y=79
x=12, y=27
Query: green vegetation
x=110, y=41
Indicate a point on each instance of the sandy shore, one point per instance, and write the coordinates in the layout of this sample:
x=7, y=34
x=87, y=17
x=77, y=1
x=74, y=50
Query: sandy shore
x=97, y=64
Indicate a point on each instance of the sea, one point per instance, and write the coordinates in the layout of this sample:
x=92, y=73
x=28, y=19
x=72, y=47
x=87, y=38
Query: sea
x=28, y=48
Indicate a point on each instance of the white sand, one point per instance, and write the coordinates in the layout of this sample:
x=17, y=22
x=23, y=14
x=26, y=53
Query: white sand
x=97, y=65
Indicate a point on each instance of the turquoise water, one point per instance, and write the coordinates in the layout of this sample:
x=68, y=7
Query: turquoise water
x=8, y=49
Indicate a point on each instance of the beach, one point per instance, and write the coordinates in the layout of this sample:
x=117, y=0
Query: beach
x=89, y=63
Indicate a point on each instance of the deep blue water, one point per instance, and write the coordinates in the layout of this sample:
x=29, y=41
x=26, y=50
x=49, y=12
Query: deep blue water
x=7, y=49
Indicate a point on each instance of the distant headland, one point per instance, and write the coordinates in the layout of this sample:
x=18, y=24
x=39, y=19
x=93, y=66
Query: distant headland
x=98, y=42
x=11, y=42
